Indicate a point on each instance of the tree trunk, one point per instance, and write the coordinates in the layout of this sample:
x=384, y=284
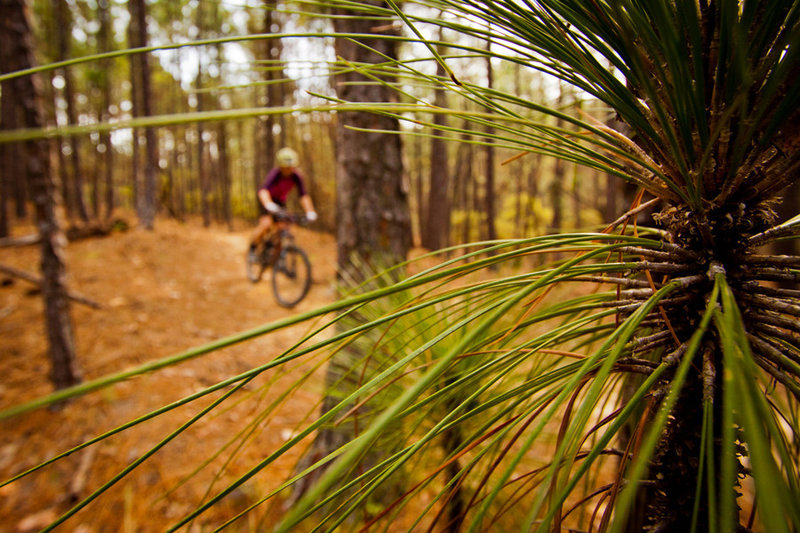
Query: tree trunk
x=464, y=185
x=372, y=200
x=438, y=220
x=63, y=21
x=202, y=171
x=373, y=219
x=10, y=169
x=531, y=215
x=491, y=231
x=559, y=170
x=5, y=189
x=419, y=186
x=225, y=174
x=12, y=174
x=272, y=53
x=104, y=43
x=147, y=202
x=16, y=53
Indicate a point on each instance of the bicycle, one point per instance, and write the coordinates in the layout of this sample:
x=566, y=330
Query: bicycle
x=291, y=269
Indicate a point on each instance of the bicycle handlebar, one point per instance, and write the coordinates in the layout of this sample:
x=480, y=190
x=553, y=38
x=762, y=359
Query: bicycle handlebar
x=283, y=215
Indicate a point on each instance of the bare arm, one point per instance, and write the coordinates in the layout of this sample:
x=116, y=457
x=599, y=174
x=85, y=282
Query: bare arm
x=306, y=203
x=264, y=197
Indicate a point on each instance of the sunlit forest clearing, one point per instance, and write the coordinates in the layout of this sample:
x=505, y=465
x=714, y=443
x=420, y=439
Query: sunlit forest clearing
x=444, y=265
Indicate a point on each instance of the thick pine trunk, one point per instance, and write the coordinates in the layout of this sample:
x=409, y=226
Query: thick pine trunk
x=373, y=218
x=372, y=200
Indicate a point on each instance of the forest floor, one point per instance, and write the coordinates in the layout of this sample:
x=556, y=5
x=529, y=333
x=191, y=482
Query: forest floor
x=162, y=292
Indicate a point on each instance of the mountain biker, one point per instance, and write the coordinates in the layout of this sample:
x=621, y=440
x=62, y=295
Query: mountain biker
x=273, y=193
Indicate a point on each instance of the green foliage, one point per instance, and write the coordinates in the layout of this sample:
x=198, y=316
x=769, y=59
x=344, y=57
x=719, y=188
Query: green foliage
x=538, y=216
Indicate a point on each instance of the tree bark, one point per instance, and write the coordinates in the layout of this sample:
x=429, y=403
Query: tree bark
x=10, y=170
x=16, y=53
x=418, y=174
x=464, y=185
x=372, y=199
x=202, y=171
x=491, y=230
x=104, y=43
x=559, y=170
x=272, y=53
x=438, y=220
x=141, y=69
x=225, y=174
x=373, y=218
x=63, y=22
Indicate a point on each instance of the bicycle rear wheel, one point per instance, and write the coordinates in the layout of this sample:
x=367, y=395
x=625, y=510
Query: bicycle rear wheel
x=291, y=276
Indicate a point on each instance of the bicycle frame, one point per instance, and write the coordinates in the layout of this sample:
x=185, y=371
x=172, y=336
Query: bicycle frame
x=291, y=269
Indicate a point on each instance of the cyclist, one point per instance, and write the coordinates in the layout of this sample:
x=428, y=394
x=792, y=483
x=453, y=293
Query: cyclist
x=273, y=193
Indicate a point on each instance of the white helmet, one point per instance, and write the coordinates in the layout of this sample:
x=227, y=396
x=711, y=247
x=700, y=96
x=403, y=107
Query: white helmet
x=286, y=157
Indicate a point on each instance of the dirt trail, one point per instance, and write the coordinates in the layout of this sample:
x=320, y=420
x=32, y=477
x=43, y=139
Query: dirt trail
x=164, y=291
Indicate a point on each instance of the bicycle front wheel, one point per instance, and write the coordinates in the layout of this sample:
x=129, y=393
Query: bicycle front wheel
x=254, y=266
x=291, y=276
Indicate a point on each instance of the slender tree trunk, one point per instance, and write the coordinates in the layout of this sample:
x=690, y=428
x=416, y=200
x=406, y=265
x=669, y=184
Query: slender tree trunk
x=10, y=169
x=190, y=178
x=12, y=173
x=531, y=215
x=419, y=178
x=5, y=188
x=136, y=109
x=202, y=170
x=104, y=42
x=465, y=184
x=557, y=184
x=263, y=143
x=16, y=53
x=151, y=158
x=95, y=180
x=225, y=174
x=147, y=203
x=67, y=192
x=272, y=50
x=613, y=189
x=64, y=39
x=438, y=219
x=491, y=230
x=203, y=173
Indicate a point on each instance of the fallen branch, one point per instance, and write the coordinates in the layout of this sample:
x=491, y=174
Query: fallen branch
x=30, y=278
x=25, y=240
x=73, y=233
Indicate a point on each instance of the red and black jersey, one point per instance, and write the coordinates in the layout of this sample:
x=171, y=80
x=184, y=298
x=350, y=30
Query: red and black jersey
x=279, y=186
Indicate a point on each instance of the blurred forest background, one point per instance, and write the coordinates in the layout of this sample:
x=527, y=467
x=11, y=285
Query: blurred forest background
x=458, y=192
x=218, y=111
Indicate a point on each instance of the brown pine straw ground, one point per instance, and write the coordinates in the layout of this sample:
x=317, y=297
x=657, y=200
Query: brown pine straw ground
x=162, y=292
